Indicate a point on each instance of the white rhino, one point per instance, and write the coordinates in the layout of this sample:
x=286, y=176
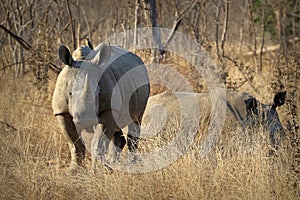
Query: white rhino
x=100, y=92
x=242, y=109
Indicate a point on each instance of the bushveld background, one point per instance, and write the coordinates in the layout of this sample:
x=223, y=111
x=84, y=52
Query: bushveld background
x=255, y=44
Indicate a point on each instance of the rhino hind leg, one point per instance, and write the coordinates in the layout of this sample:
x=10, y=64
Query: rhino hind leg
x=133, y=136
x=119, y=140
x=76, y=146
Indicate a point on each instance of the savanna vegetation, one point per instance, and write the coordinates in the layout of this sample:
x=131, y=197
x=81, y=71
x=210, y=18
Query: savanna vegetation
x=254, y=43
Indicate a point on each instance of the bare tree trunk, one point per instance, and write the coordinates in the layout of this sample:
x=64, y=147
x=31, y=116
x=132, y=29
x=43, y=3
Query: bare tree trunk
x=205, y=21
x=21, y=65
x=116, y=21
x=155, y=30
x=78, y=34
x=294, y=31
x=18, y=24
x=242, y=26
x=159, y=48
x=196, y=24
x=146, y=12
x=125, y=24
x=72, y=22
x=254, y=33
x=217, y=21
x=136, y=22
x=125, y=41
x=283, y=26
x=225, y=25
x=280, y=9
x=79, y=21
x=262, y=37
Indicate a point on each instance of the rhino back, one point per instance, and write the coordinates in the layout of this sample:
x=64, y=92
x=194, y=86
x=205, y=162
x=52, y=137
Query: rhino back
x=175, y=106
x=178, y=103
x=119, y=86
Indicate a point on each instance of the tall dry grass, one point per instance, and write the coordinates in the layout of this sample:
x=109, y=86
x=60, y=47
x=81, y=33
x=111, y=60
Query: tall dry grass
x=34, y=155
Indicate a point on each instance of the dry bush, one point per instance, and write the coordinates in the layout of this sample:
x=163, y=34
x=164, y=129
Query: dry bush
x=287, y=77
x=34, y=155
x=170, y=67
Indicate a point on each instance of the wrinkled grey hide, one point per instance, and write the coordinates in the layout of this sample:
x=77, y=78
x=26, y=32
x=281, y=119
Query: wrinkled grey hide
x=100, y=92
x=242, y=109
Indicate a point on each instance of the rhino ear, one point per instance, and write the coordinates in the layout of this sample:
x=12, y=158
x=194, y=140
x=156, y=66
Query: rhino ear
x=65, y=55
x=279, y=99
x=103, y=55
x=251, y=105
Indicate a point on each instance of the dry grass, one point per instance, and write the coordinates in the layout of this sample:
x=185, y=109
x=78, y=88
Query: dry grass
x=34, y=155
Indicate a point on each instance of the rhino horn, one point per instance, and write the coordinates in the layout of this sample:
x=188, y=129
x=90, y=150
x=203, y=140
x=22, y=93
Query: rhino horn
x=103, y=55
x=86, y=85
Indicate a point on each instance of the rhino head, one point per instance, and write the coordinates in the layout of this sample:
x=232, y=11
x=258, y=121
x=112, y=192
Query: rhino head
x=83, y=104
x=267, y=116
x=84, y=55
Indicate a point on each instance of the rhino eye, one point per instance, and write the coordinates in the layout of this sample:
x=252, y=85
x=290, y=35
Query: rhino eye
x=70, y=93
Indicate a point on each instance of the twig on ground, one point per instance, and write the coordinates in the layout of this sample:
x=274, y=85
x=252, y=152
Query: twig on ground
x=8, y=125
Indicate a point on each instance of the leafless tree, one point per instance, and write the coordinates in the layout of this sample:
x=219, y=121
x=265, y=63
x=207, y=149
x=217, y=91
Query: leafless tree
x=178, y=18
x=151, y=14
x=253, y=32
x=72, y=23
x=263, y=36
x=225, y=26
x=218, y=6
x=136, y=21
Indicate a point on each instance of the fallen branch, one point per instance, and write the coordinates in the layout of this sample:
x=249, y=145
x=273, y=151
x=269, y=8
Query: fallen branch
x=8, y=125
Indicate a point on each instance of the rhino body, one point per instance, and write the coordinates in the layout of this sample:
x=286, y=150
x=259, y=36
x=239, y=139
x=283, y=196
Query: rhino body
x=242, y=110
x=100, y=92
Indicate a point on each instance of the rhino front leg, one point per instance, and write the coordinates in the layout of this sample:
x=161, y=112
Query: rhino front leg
x=108, y=141
x=76, y=145
x=98, y=134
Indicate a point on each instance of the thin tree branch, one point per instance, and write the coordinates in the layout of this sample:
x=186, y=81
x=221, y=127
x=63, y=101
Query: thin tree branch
x=27, y=46
x=20, y=40
x=65, y=28
x=178, y=20
x=10, y=65
x=86, y=21
x=72, y=22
